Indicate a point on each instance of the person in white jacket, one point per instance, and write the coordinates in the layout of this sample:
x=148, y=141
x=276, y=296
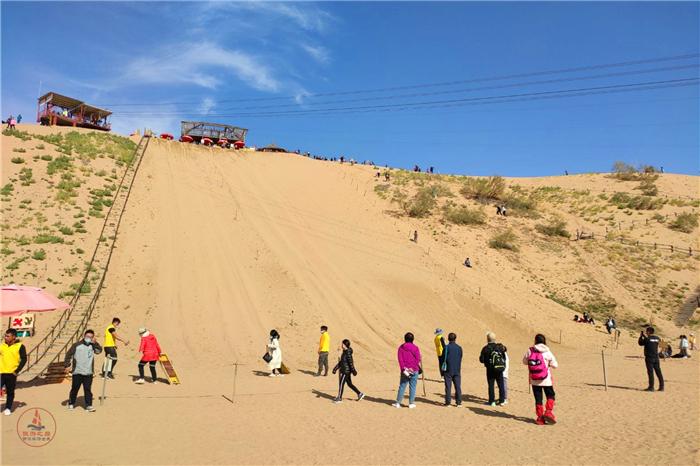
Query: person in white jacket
x=274, y=349
x=540, y=362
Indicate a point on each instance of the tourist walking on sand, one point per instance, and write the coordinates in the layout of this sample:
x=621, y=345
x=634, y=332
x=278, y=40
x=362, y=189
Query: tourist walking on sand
x=13, y=357
x=410, y=366
x=650, y=342
x=324, y=347
x=275, y=352
x=81, y=356
x=346, y=369
x=150, y=350
x=440, y=350
x=110, y=345
x=493, y=357
x=453, y=370
x=540, y=361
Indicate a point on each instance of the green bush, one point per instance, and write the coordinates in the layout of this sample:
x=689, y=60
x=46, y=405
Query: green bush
x=43, y=238
x=60, y=163
x=39, y=255
x=46, y=158
x=624, y=172
x=17, y=160
x=625, y=201
x=19, y=149
x=7, y=189
x=521, y=206
x=648, y=187
x=505, y=240
x=66, y=231
x=492, y=187
x=463, y=215
x=555, y=227
x=23, y=135
x=25, y=176
x=421, y=204
x=685, y=222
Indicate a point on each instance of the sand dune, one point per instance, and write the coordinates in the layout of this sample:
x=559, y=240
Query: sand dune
x=218, y=247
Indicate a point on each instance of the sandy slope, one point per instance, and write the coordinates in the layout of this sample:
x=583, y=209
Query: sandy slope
x=217, y=248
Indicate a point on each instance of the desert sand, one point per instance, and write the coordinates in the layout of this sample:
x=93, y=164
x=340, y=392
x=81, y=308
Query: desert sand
x=218, y=247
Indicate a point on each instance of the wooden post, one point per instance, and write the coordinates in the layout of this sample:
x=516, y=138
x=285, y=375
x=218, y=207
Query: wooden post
x=235, y=376
x=560, y=336
x=605, y=375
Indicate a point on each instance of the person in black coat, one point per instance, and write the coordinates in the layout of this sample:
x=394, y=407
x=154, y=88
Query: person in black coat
x=650, y=342
x=453, y=369
x=346, y=369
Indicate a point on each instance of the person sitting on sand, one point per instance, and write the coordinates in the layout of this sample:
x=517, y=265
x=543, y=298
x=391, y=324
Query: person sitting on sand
x=576, y=319
x=540, y=361
x=610, y=324
x=275, y=351
x=346, y=366
x=667, y=352
x=498, y=210
x=682, y=348
x=467, y=263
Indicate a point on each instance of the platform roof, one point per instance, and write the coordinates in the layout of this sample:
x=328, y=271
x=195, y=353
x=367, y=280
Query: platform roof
x=70, y=102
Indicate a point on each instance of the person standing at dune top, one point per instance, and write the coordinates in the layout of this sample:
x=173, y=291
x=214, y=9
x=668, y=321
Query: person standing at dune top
x=439, y=341
x=150, y=350
x=346, y=370
x=410, y=366
x=324, y=346
x=650, y=342
x=540, y=361
x=275, y=351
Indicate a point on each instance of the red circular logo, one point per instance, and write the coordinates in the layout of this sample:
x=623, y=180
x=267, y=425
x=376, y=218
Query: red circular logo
x=36, y=427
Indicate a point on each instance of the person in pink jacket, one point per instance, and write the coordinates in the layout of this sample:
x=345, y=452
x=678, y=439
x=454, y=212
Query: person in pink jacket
x=410, y=366
x=540, y=362
x=151, y=353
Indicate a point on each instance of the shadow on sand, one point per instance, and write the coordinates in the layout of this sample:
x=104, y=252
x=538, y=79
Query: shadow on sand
x=619, y=387
x=496, y=413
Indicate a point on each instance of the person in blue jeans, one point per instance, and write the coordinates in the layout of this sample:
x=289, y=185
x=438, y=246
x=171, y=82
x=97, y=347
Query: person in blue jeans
x=410, y=366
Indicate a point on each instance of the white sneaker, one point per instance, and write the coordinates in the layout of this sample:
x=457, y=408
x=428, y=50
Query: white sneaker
x=361, y=396
x=280, y=375
x=139, y=381
x=71, y=407
x=7, y=412
x=90, y=409
x=396, y=405
x=412, y=406
x=505, y=402
x=272, y=375
x=337, y=401
x=154, y=382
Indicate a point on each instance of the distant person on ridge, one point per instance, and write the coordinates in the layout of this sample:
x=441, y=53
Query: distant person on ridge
x=275, y=351
x=540, y=361
x=19, y=118
x=346, y=366
x=110, y=345
x=410, y=367
x=13, y=357
x=453, y=370
x=150, y=350
x=324, y=346
x=493, y=357
x=650, y=342
x=81, y=356
x=439, y=341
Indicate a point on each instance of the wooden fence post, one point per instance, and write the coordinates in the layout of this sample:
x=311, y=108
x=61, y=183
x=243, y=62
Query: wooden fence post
x=605, y=375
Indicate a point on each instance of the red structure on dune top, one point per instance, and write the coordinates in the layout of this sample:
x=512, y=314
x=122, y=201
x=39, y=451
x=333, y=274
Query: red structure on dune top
x=60, y=110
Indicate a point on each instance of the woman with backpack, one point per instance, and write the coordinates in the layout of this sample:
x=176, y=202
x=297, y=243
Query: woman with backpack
x=540, y=362
x=346, y=366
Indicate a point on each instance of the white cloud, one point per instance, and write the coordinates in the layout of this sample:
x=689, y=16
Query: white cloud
x=306, y=16
x=203, y=64
x=317, y=52
x=207, y=104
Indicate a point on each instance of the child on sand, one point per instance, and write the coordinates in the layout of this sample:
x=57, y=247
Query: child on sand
x=540, y=362
x=346, y=366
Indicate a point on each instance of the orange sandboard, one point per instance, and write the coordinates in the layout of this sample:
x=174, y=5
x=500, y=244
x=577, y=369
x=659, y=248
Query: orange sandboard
x=168, y=368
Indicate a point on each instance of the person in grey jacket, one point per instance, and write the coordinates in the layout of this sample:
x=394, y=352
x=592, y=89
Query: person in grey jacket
x=82, y=357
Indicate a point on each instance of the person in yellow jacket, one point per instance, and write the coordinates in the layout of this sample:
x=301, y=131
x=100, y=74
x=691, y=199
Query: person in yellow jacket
x=440, y=350
x=324, y=346
x=110, y=345
x=13, y=357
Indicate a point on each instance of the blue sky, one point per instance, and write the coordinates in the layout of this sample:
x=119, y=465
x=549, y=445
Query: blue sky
x=155, y=64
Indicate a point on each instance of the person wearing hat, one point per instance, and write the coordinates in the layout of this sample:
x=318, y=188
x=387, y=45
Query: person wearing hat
x=150, y=349
x=440, y=350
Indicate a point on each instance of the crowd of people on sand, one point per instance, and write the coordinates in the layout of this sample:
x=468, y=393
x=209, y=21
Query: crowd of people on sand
x=12, y=121
x=539, y=360
x=494, y=356
x=79, y=361
x=586, y=318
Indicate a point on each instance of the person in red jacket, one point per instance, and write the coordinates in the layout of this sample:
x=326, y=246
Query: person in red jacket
x=151, y=352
